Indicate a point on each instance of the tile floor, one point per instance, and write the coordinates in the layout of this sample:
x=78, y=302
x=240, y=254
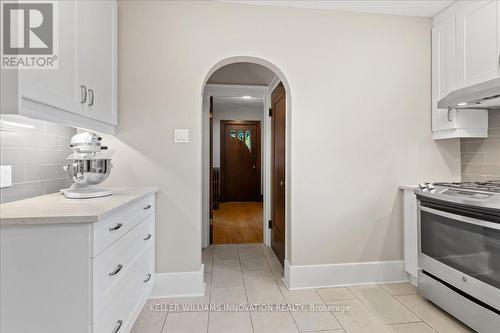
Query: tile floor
x=251, y=274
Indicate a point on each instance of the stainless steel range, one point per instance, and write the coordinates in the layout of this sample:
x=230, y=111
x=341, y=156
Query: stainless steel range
x=459, y=250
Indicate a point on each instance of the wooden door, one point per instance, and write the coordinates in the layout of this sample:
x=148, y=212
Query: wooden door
x=278, y=98
x=240, y=160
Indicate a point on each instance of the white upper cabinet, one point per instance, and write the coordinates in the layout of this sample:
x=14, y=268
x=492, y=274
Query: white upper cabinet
x=465, y=39
x=443, y=72
x=60, y=88
x=82, y=91
x=100, y=45
x=477, y=43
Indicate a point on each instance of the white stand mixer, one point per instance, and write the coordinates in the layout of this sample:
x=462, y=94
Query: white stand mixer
x=89, y=165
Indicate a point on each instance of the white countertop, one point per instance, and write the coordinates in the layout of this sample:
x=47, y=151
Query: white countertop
x=408, y=187
x=55, y=208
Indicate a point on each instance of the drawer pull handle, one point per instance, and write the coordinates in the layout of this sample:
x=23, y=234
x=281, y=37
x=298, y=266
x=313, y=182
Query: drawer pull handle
x=116, y=270
x=148, y=277
x=119, y=324
x=147, y=207
x=147, y=237
x=91, y=97
x=116, y=227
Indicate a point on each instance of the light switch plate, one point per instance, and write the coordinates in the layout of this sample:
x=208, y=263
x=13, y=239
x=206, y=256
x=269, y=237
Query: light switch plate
x=181, y=135
x=5, y=176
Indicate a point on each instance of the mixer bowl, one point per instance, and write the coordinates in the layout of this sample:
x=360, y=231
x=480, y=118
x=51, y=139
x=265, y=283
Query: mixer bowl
x=88, y=172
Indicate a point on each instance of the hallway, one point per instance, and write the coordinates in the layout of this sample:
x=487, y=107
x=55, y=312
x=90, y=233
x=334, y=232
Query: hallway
x=237, y=223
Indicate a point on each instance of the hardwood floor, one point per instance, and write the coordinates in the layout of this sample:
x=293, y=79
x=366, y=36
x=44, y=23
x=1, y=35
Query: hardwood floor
x=237, y=222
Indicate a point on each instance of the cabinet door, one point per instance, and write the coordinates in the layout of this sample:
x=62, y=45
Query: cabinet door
x=443, y=72
x=60, y=88
x=101, y=59
x=477, y=43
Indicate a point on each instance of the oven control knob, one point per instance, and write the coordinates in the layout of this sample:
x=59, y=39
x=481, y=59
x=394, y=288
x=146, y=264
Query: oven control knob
x=464, y=279
x=422, y=186
x=431, y=187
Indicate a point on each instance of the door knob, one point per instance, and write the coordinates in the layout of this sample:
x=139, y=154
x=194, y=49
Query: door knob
x=253, y=166
x=282, y=183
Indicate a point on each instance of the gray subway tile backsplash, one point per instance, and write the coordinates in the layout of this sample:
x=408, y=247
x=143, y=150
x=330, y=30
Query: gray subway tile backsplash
x=36, y=150
x=12, y=139
x=56, y=156
x=59, y=130
x=13, y=122
x=22, y=156
x=18, y=174
x=44, y=172
x=55, y=185
x=481, y=157
x=22, y=191
x=42, y=141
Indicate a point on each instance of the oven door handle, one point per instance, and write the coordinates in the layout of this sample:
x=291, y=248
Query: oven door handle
x=485, y=224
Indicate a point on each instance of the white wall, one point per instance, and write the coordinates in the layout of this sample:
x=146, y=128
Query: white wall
x=359, y=124
x=254, y=112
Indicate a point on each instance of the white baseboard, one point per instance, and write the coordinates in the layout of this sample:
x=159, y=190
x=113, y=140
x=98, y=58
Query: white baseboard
x=179, y=284
x=337, y=275
x=286, y=273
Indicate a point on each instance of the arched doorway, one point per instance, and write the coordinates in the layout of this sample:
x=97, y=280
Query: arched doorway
x=273, y=94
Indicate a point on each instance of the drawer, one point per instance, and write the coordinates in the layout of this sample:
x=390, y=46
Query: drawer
x=108, y=231
x=113, y=267
x=124, y=309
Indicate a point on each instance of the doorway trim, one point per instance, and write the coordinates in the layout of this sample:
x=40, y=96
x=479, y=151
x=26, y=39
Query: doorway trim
x=229, y=90
x=207, y=90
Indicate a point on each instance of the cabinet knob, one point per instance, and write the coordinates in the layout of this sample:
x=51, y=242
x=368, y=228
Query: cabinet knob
x=449, y=116
x=148, y=277
x=147, y=207
x=147, y=237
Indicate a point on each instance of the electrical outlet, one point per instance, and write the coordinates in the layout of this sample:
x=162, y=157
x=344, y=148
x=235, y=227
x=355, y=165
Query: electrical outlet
x=181, y=135
x=5, y=176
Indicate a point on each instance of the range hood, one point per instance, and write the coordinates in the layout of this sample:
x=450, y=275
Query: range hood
x=484, y=95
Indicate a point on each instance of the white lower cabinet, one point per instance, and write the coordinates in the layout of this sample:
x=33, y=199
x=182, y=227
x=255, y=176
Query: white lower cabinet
x=410, y=233
x=78, y=277
x=120, y=314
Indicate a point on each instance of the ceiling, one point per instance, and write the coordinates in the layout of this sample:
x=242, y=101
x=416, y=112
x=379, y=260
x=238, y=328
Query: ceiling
x=243, y=73
x=426, y=8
